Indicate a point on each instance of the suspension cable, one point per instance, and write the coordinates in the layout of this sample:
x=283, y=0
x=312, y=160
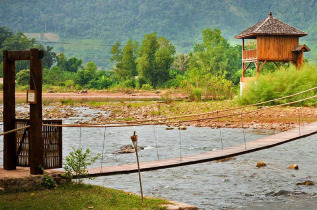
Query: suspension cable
x=14, y=130
x=157, y=153
x=103, y=147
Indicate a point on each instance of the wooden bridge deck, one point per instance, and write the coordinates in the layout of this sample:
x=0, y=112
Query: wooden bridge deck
x=260, y=144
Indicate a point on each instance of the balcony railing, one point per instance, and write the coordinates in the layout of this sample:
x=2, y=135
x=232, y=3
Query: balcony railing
x=249, y=54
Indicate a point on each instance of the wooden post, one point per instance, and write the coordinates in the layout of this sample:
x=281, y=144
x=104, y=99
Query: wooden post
x=9, y=140
x=257, y=68
x=243, y=65
x=35, y=130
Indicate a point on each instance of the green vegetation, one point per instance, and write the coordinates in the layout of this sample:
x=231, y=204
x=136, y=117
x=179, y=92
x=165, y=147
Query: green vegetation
x=285, y=81
x=70, y=196
x=88, y=29
x=211, y=70
x=76, y=163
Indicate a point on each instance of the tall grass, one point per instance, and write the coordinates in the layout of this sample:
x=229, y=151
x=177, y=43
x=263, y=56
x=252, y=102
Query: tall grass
x=282, y=82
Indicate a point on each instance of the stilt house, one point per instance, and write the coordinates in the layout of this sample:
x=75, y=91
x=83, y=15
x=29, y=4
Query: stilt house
x=276, y=41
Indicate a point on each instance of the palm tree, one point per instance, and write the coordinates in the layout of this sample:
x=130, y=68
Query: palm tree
x=181, y=62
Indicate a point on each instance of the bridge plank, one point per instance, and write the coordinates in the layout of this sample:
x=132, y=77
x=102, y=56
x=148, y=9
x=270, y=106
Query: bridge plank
x=260, y=144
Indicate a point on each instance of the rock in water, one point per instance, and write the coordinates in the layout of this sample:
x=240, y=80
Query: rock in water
x=225, y=159
x=169, y=128
x=293, y=166
x=260, y=164
x=306, y=183
x=128, y=149
x=182, y=128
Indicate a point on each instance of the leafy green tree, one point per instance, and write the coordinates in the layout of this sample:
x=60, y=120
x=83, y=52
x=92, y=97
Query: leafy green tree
x=23, y=77
x=49, y=56
x=181, y=62
x=125, y=67
x=4, y=34
x=73, y=64
x=155, y=59
x=215, y=55
x=53, y=76
x=19, y=41
x=84, y=76
x=61, y=61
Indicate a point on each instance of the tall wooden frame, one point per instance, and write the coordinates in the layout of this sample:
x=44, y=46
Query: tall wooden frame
x=35, y=130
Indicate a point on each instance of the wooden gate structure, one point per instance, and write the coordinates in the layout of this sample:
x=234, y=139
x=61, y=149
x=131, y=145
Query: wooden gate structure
x=38, y=146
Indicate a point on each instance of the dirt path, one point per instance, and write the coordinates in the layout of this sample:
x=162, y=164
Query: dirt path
x=100, y=95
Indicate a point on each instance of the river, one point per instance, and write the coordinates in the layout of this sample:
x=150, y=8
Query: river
x=236, y=184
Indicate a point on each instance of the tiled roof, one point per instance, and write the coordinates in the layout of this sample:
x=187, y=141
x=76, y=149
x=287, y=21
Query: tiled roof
x=270, y=26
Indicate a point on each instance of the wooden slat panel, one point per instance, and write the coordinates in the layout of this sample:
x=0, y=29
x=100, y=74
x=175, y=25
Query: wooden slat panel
x=275, y=48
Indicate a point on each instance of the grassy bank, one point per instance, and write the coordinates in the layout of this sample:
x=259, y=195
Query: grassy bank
x=71, y=196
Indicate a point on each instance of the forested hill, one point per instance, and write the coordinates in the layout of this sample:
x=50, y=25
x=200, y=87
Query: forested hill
x=103, y=22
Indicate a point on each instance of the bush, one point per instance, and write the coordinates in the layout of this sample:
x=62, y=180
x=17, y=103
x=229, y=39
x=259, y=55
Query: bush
x=147, y=87
x=196, y=94
x=283, y=82
x=76, y=163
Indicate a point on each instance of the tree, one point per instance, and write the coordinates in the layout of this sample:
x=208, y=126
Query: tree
x=125, y=67
x=49, y=56
x=73, y=64
x=215, y=55
x=53, y=76
x=19, y=41
x=23, y=77
x=181, y=62
x=156, y=57
x=84, y=76
x=61, y=61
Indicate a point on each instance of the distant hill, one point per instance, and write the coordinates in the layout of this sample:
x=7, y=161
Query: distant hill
x=87, y=29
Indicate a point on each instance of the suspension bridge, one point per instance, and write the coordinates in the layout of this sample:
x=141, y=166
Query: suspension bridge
x=253, y=146
x=52, y=129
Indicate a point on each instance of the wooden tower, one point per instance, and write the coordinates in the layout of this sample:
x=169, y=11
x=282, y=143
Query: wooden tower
x=276, y=41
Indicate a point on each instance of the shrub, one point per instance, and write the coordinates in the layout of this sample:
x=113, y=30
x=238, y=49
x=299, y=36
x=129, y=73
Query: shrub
x=196, y=94
x=283, y=82
x=147, y=87
x=76, y=163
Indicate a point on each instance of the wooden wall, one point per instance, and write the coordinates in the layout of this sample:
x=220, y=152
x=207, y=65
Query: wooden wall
x=276, y=48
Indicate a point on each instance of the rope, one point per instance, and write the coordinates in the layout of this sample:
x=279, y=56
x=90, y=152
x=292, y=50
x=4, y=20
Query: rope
x=299, y=113
x=103, y=147
x=245, y=143
x=219, y=132
x=157, y=153
x=180, y=142
x=14, y=130
x=80, y=137
x=212, y=112
x=192, y=120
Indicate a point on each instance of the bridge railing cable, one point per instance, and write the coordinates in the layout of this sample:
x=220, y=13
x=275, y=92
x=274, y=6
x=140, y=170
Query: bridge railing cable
x=183, y=121
x=211, y=112
x=14, y=130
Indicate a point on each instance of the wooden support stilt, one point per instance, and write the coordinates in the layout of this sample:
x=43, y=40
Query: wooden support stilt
x=36, y=143
x=9, y=140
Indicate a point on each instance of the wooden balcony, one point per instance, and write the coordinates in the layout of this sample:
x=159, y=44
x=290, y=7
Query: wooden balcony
x=249, y=55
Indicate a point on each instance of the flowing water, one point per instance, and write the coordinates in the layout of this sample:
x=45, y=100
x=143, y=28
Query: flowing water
x=236, y=184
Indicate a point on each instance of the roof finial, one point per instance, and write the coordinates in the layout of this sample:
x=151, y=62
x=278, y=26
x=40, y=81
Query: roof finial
x=270, y=14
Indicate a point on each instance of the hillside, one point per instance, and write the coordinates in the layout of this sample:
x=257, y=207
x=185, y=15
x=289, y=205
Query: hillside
x=88, y=29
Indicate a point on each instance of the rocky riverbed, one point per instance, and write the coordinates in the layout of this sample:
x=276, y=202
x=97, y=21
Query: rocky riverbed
x=280, y=119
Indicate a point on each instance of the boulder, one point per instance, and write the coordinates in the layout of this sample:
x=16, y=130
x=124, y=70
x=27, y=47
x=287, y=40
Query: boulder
x=306, y=183
x=128, y=149
x=182, y=128
x=260, y=164
x=293, y=166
